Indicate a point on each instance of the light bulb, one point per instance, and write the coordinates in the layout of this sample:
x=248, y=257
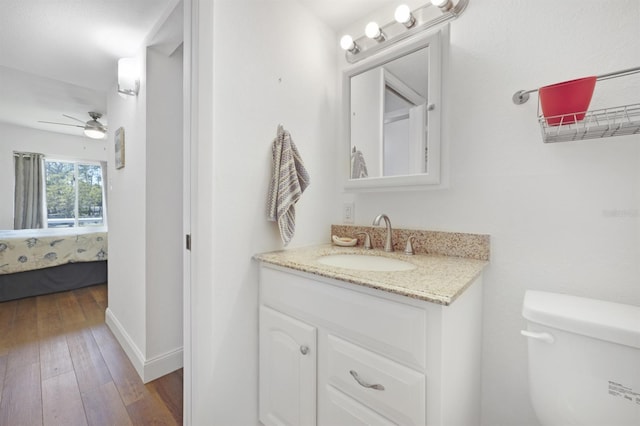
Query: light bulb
x=445, y=5
x=404, y=16
x=372, y=30
x=346, y=42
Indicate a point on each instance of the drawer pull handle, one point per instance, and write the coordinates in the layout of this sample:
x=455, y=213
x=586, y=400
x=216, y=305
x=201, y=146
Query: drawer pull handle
x=304, y=350
x=365, y=384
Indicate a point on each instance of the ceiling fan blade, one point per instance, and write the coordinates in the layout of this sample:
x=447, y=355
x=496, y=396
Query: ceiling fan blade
x=61, y=124
x=73, y=118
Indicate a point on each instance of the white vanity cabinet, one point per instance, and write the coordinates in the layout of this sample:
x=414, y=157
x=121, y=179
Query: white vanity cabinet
x=334, y=353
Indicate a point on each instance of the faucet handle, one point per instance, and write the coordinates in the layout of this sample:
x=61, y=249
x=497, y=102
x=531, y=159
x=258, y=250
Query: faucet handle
x=408, y=250
x=367, y=240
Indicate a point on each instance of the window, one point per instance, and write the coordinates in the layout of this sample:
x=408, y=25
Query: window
x=74, y=194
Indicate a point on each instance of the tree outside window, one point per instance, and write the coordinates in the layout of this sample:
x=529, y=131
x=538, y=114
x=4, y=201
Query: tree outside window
x=74, y=194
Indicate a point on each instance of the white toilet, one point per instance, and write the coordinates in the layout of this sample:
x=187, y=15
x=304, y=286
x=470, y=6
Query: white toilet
x=584, y=360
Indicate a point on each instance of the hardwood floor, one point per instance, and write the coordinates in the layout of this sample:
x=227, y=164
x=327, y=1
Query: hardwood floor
x=60, y=365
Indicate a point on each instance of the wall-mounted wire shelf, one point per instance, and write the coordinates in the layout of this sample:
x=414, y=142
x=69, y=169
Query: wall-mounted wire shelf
x=601, y=123
x=522, y=96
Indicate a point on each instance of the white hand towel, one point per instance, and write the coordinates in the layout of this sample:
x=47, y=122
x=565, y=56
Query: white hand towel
x=289, y=179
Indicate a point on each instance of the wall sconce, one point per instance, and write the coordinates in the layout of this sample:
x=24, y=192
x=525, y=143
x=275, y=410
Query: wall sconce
x=128, y=77
x=405, y=24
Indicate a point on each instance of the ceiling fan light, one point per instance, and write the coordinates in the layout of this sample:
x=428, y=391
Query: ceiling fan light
x=94, y=132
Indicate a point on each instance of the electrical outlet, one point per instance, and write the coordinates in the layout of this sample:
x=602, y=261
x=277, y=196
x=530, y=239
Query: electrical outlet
x=348, y=212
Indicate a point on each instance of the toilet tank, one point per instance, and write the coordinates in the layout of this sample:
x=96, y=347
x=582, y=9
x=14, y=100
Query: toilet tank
x=584, y=360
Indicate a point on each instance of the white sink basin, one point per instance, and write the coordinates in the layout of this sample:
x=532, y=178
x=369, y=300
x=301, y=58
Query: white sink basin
x=364, y=262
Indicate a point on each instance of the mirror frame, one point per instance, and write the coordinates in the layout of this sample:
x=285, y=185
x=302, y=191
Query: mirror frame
x=437, y=41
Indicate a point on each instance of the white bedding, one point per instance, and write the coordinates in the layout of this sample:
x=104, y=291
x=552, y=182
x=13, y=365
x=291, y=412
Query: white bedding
x=28, y=249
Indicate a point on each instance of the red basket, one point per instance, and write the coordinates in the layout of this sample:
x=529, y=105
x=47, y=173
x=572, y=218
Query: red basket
x=567, y=102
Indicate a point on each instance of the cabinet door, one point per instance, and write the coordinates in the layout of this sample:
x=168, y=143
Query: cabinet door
x=287, y=370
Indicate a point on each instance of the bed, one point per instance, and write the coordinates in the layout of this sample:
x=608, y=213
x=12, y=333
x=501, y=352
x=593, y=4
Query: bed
x=42, y=261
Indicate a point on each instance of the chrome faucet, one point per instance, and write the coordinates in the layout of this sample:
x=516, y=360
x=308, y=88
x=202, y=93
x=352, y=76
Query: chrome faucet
x=388, y=243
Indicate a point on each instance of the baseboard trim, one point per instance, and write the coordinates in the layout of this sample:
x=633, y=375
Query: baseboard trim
x=162, y=365
x=147, y=369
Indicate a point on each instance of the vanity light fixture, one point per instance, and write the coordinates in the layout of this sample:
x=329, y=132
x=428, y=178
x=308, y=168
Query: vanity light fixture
x=347, y=43
x=128, y=77
x=404, y=16
x=373, y=31
x=445, y=5
x=406, y=24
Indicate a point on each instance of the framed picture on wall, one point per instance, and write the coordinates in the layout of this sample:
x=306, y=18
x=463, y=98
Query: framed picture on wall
x=119, y=139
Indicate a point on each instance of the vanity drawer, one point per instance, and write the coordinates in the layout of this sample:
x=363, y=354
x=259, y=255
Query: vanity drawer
x=344, y=410
x=394, y=329
x=393, y=390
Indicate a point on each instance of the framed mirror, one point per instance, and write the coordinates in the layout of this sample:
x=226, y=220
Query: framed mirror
x=392, y=113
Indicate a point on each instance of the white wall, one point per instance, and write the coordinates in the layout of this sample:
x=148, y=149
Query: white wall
x=127, y=217
x=562, y=217
x=145, y=241
x=164, y=240
x=277, y=66
x=54, y=145
x=145, y=238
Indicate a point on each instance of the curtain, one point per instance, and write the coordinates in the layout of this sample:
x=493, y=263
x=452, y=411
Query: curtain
x=29, y=191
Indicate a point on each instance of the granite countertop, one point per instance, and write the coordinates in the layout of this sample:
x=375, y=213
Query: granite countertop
x=436, y=278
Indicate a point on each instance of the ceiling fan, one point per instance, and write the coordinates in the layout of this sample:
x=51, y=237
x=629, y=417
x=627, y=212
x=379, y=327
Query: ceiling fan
x=92, y=128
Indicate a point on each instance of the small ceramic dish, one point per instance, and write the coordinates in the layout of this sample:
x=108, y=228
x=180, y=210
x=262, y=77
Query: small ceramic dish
x=344, y=241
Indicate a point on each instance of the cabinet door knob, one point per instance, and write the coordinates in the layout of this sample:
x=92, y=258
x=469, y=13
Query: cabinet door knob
x=365, y=384
x=304, y=350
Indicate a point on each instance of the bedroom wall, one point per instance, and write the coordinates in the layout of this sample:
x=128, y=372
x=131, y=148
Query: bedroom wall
x=145, y=238
x=58, y=145
x=127, y=219
x=562, y=217
x=277, y=66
